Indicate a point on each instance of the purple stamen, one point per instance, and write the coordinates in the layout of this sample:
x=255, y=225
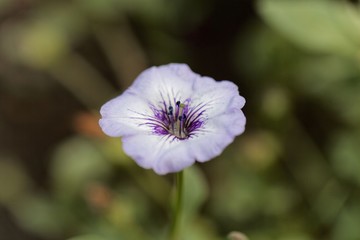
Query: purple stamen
x=181, y=122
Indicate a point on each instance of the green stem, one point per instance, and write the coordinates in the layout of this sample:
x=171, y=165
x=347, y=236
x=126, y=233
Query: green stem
x=174, y=231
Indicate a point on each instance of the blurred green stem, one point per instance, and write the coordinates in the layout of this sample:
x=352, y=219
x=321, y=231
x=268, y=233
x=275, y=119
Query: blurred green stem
x=177, y=209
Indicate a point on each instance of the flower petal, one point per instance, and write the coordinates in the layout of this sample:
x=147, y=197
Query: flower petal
x=220, y=132
x=120, y=116
x=162, y=154
x=143, y=148
x=164, y=83
x=175, y=158
x=219, y=96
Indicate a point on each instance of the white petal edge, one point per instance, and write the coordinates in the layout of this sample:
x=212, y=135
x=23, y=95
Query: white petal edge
x=219, y=96
x=122, y=115
x=167, y=82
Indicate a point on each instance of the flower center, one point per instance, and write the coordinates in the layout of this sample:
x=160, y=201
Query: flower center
x=179, y=120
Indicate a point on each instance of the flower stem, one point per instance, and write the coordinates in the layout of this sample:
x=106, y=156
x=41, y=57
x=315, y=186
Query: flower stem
x=177, y=210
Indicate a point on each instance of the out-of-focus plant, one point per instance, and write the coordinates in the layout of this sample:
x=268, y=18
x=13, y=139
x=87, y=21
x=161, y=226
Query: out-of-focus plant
x=293, y=175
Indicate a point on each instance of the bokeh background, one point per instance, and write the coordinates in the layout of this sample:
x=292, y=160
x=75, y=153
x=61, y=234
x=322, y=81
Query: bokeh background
x=293, y=175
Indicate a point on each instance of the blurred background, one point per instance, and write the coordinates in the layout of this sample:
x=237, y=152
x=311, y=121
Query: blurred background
x=293, y=175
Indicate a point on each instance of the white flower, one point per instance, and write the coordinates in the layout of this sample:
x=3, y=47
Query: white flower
x=171, y=117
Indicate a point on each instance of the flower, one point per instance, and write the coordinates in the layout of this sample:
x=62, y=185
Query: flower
x=172, y=117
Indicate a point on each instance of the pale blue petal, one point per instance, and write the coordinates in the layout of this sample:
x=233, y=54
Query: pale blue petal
x=161, y=154
x=164, y=83
x=120, y=115
x=220, y=132
x=219, y=97
x=175, y=158
x=144, y=148
x=127, y=116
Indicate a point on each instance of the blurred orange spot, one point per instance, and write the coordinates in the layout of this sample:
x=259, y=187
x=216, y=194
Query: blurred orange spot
x=98, y=196
x=87, y=124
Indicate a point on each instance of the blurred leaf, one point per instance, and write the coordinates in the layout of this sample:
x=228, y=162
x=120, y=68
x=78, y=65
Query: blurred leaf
x=36, y=45
x=200, y=229
x=295, y=236
x=124, y=215
x=320, y=26
x=344, y=98
x=276, y=103
x=237, y=196
x=330, y=201
x=83, y=80
x=279, y=200
x=40, y=215
x=113, y=151
x=123, y=50
x=347, y=224
x=99, y=9
x=5, y=5
x=165, y=48
x=263, y=51
x=127, y=208
x=346, y=156
x=334, y=81
x=323, y=74
x=195, y=190
x=77, y=162
x=12, y=172
x=195, y=12
x=259, y=150
x=88, y=237
x=149, y=11
x=45, y=37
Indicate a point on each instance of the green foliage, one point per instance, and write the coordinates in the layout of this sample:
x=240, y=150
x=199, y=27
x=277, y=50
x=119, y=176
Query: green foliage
x=76, y=163
x=41, y=215
x=320, y=26
x=346, y=155
x=87, y=237
x=346, y=227
x=293, y=175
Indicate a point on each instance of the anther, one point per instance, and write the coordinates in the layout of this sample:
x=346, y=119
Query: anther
x=177, y=120
x=170, y=110
x=182, y=118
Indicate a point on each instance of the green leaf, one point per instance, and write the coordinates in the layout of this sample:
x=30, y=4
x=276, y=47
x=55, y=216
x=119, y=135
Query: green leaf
x=46, y=37
x=195, y=190
x=320, y=26
x=5, y=5
x=105, y=9
x=346, y=155
x=40, y=215
x=347, y=224
x=77, y=162
x=87, y=237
